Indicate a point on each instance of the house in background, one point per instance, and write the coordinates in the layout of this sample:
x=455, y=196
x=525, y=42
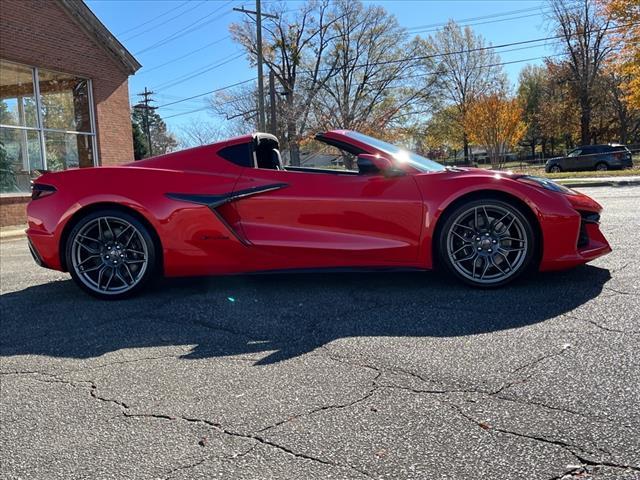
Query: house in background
x=64, y=96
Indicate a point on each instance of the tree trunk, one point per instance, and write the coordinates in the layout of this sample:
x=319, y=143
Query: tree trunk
x=465, y=143
x=585, y=121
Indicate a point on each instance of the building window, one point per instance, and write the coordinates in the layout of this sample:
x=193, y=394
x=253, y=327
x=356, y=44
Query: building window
x=46, y=123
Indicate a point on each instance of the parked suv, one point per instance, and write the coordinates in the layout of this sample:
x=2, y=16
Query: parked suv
x=592, y=157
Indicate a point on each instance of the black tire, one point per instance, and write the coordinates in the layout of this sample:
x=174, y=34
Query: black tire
x=555, y=169
x=132, y=264
x=602, y=167
x=465, y=245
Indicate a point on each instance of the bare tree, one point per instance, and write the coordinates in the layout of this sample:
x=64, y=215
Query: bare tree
x=584, y=36
x=374, y=63
x=294, y=47
x=466, y=68
x=198, y=132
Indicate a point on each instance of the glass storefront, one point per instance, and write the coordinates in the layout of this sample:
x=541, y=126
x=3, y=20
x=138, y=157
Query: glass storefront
x=46, y=122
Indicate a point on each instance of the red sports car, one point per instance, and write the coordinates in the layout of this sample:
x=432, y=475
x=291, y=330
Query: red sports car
x=232, y=207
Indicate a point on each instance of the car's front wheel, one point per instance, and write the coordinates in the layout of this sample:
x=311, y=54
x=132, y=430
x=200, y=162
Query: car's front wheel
x=486, y=242
x=110, y=254
x=555, y=169
x=602, y=167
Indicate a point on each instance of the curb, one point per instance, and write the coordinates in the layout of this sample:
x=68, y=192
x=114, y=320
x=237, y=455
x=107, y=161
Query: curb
x=598, y=183
x=12, y=234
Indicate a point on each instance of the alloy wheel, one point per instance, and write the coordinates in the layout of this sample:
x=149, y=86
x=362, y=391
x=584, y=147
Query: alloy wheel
x=109, y=255
x=487, y=244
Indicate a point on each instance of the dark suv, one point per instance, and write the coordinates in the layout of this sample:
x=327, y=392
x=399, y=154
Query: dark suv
x=592, y=157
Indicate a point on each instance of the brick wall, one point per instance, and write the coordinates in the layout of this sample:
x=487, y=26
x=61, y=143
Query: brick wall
x=39, y=33
x=13, y=210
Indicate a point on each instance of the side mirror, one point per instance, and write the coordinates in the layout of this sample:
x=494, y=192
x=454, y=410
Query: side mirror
x=371, y=164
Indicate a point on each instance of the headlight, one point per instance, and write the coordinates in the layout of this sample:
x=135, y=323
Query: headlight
x=546, y=184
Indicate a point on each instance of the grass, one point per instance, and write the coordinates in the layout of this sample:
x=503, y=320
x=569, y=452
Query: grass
x=609, y=173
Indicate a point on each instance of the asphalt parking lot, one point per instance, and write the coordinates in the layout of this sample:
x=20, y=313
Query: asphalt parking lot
x=327, y=375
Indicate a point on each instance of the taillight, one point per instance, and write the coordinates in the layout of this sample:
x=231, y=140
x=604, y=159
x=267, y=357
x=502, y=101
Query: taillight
x=40, y=190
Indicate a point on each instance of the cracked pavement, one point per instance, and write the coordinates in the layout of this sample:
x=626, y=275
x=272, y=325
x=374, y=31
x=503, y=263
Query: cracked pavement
x=363, y=376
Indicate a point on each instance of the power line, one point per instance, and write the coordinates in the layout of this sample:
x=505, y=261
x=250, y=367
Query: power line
x=424, y=57
x=235, y=99
x=186, y=30
x=165, y=22
x=399, y=78
x=176, y=59
x=412, y=28
x=197, y=73
x=473, y=19
x=209, y=92
x=153, y=19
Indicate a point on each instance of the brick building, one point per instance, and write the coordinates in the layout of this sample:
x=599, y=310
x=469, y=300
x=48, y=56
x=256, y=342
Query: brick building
x=64, y=98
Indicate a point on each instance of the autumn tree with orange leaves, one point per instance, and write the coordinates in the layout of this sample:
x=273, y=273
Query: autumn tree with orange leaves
x=626, y=59
x=495, y=121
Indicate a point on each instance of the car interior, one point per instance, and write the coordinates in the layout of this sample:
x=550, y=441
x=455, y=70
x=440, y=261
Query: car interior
x=266, y=154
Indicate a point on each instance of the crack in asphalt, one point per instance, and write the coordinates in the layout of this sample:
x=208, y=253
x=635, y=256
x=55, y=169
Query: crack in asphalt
x=526, y=366
x=209, y=458
x=248, y=436
x=568, y=447
x=93, y=391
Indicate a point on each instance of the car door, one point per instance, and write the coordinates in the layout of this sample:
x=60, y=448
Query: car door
x=587, y=159
x=322, y=219
x=572, y=161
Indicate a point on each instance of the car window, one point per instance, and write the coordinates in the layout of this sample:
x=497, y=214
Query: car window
x=574, y=153
x=239, y=154
x=319, y=155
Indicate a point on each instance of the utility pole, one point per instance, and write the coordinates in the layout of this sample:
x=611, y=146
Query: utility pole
x=272, y=102
x=258, y=13
x=146, y=108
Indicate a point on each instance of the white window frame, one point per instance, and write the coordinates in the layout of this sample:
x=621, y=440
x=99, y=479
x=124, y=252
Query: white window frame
x=35, y=71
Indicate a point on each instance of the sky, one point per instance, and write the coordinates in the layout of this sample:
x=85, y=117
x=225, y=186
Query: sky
x=185, y=48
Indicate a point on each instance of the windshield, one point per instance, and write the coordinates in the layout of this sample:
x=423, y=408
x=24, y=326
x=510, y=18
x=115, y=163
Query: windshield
x=398, y=153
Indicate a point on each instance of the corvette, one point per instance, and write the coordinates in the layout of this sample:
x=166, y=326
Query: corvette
x=232, y=207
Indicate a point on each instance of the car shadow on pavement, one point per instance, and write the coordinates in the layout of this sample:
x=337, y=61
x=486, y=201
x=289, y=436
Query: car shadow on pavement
x=279, y=316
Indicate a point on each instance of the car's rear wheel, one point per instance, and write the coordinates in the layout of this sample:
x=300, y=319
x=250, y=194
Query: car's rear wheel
x=555, y=169
x=110, y=254
x=602, y=167
x=487, y=243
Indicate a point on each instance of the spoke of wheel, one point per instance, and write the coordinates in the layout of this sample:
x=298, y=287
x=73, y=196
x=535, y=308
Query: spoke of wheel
x=90, y=250
x=496, y=222
x=497, y=266
x=513, y=239
x=486, y=267
x=91, y=239
x=133, y=234
x=122, y=231
x=106, y=220
x=475, y=217
x=100, y=232
x=100, y=273
x=137, y=252
x=468, y=257
x=506, y=259
x=92, y=269
x=473, y=273
x=129, y=262
x=509, y=250
x=121, y=278
x=463, y=226
x=90, y=257
x=506, y=230
x=486, y=217
x=129, y=272
x=465, y=240
x=113, y=274
x=461, y=248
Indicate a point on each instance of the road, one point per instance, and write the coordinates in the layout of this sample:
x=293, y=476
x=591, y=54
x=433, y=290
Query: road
x=403, y=375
